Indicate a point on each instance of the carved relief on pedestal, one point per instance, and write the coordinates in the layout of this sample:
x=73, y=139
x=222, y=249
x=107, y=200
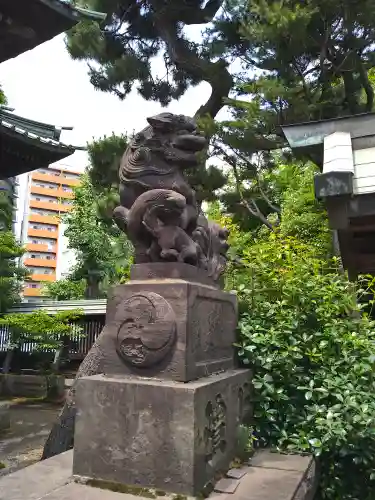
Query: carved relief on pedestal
x=148, y=331
x=244, y=403
x=215, y=430
x=213, y=323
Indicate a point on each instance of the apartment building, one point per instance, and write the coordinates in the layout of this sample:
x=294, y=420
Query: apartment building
x=8, y=194
x=48, y=196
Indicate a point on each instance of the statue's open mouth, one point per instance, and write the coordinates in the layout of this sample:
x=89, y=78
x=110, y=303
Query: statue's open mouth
x=190, y=142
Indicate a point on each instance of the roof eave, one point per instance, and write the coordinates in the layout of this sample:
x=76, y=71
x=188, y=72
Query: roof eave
x=74, y=12
x=310, y=134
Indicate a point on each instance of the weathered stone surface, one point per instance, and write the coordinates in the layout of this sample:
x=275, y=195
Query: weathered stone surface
x=309, y=484
x=36, y=481
x=226, y=485
x=157, y=433
x=169, y=328
x=238, y=472
x=172, y=270
x=273, y=460
x=51, y=480
x=75, y=491
x=4, y=416
x=268, y=484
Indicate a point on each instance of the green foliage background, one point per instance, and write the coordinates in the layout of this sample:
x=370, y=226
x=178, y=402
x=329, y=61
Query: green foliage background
x=308, y=342
x=43, y=329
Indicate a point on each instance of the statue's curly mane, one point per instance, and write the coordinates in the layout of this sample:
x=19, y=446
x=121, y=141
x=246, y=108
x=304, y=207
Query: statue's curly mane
x=138, y=158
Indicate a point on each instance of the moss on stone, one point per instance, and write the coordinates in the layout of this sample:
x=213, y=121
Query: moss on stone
x=121, y=488
x=179, y=497
x=160, y=493
x=2, y=465
x=237, y=463
x=27, y=400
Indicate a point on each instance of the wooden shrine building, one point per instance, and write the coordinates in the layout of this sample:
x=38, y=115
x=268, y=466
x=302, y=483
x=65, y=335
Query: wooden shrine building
x=344, y=149
x=25, y=144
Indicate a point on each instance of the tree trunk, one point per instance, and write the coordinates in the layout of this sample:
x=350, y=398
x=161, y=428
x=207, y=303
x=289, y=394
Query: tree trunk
x=8, y=360
x=62, y=351
x=92, y=286
x=61, y=437
x=201, y=69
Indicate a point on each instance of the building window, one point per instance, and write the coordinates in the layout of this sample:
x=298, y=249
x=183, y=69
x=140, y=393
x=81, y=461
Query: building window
x=33, y=256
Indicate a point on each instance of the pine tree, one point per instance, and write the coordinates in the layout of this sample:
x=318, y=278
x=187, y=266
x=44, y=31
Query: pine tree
x=302, y=62
x=121, y=52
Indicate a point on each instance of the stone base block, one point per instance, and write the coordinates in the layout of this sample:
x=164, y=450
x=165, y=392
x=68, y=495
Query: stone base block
x=158, y=433
x=168, y=328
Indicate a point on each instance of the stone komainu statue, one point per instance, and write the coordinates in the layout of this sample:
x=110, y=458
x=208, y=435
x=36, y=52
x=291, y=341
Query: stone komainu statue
x=159, y=214
x=158, y=208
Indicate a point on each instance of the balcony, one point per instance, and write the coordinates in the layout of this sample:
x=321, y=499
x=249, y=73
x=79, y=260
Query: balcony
x=69, y=182
x=40, y=263
x=43, y=277
x=32, y=292
x=43, y=233
x=38, y=247
x=53, y=179
x=55, y=193
x=34, y=247
x=45, y=219
x=46, y=205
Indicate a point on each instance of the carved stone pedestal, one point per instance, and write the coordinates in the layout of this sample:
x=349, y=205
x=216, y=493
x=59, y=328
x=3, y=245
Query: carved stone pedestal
x=158, y=433
x=166, y=411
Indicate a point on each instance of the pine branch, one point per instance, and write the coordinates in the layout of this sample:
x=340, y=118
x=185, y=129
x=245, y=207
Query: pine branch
x=273, y=207
x=250, y=205
x=205, y=15
x=184, y=58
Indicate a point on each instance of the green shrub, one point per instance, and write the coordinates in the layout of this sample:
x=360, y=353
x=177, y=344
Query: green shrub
x=313, y=356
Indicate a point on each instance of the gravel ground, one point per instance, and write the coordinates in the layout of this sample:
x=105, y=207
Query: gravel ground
x=23, y=444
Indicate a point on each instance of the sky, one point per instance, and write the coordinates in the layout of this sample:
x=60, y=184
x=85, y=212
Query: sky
x=46, y=85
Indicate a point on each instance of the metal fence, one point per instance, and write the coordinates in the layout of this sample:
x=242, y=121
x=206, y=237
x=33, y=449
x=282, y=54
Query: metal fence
x=80, y=344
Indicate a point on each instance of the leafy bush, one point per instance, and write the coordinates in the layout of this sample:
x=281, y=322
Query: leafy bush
x=65, y=289
x=313, y=356
x=42, y=330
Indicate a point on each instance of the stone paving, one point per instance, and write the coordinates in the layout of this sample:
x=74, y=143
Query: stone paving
x=30, y=425
x=270, y=477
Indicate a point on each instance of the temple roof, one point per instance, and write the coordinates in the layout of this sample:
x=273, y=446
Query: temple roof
x=26, y=24
x=306, y=139
x=27, y=145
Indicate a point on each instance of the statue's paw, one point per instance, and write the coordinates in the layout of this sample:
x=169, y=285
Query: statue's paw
x=120, y=216
x=188, y=257
x=169, y=254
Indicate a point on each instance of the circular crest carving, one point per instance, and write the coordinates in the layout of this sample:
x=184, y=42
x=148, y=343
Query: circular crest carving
x=148, y=331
